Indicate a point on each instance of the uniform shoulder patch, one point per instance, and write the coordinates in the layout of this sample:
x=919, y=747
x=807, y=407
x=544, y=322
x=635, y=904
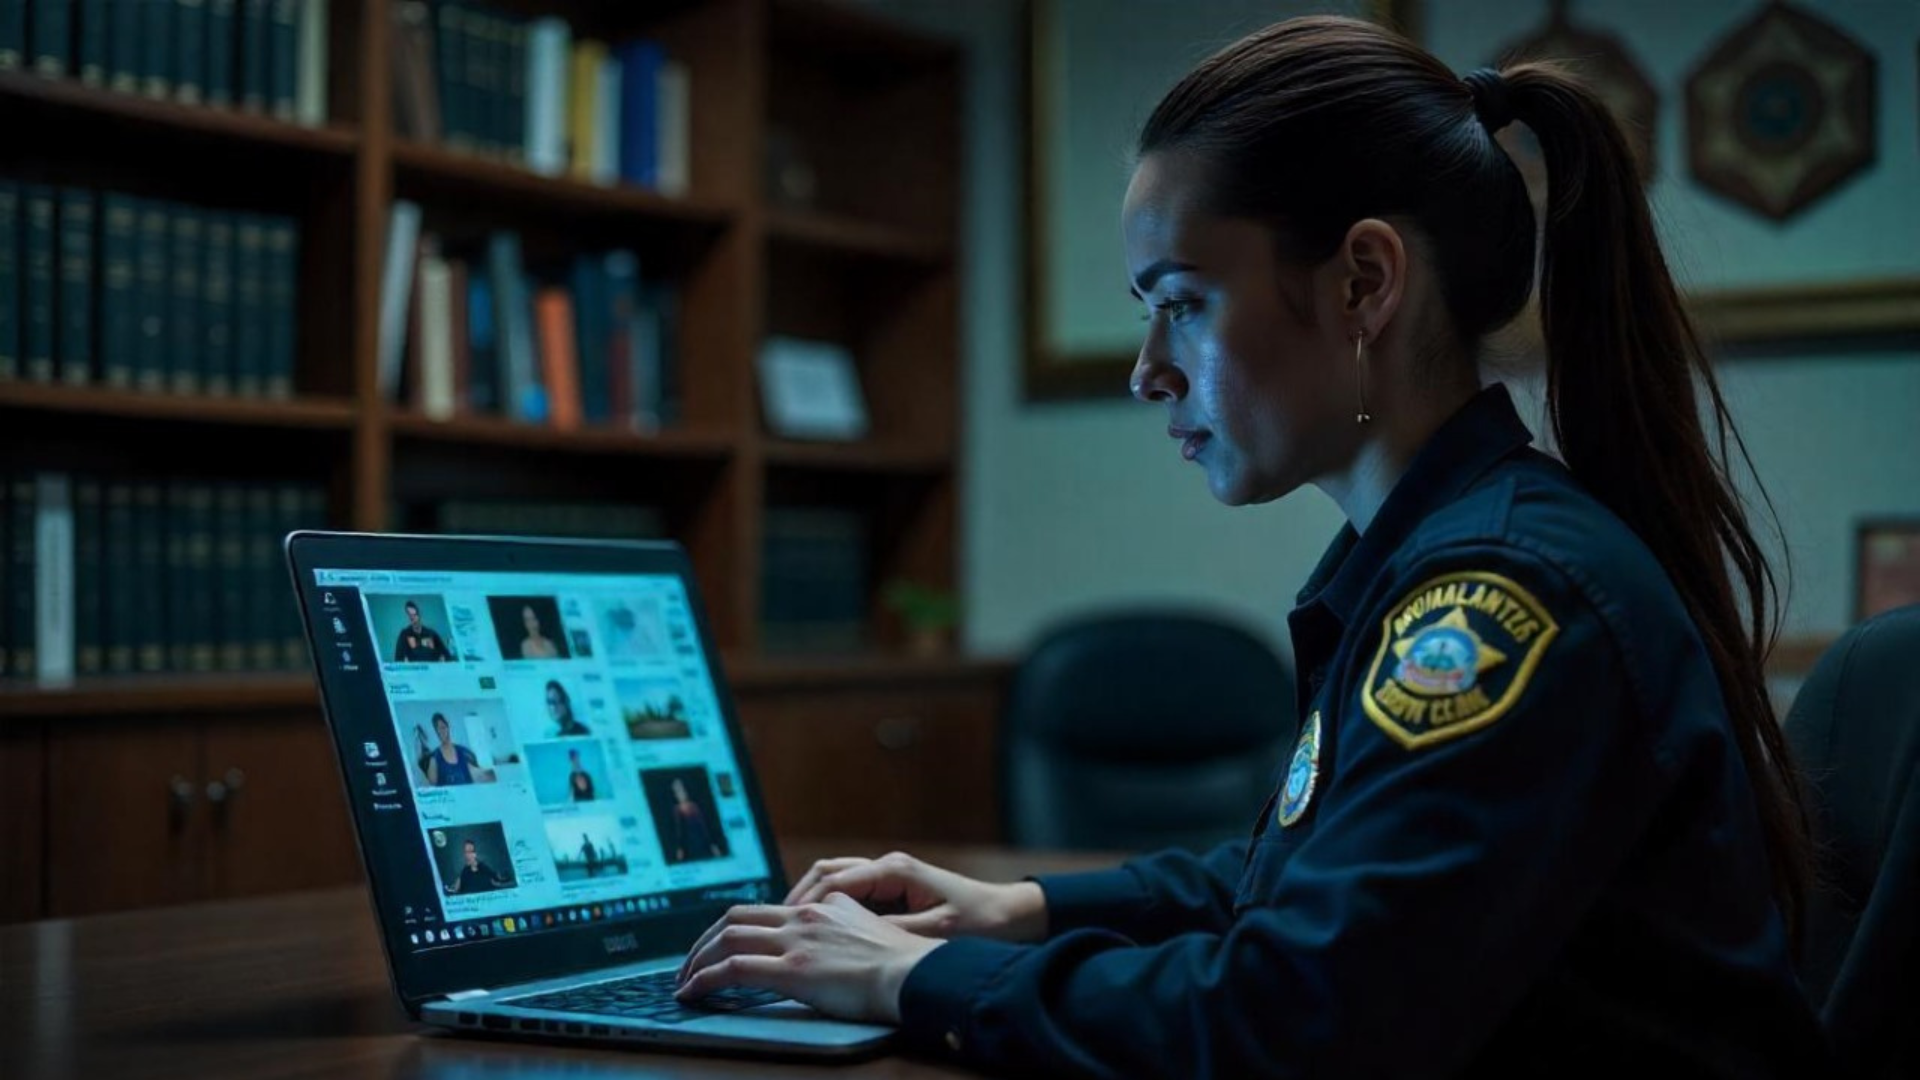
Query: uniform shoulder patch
x=1455, y=654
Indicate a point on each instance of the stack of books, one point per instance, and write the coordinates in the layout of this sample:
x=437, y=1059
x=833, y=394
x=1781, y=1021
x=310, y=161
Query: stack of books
x=130, y=575
x=815, y=580
x=534, y=517
x=260, y=56
x=139, y=293
x=530, y=92
x=474, y=331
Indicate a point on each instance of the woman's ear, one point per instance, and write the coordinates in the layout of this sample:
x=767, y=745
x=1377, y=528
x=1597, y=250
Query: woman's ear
x=1372, y=265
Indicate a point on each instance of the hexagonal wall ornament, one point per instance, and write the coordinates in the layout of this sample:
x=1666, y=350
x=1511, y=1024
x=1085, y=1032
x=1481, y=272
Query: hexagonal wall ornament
x=1603, y=63
x=1781, y=113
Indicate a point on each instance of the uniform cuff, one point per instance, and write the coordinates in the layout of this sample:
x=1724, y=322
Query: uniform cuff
x=1097, y=899
x=939, y=996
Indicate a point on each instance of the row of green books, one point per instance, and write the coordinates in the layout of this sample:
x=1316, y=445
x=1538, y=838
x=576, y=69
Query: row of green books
x=109, y=575
x=146, y=294
x=260, y=56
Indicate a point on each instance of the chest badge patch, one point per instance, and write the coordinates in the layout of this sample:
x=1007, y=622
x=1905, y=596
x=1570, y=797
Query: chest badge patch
x=1455, y=654
x=1303, y=773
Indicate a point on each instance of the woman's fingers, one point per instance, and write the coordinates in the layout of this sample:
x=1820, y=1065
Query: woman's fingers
x=814, y=873
x=740, y=915
x=759, y=972
x=735, y=941
x=935, y=922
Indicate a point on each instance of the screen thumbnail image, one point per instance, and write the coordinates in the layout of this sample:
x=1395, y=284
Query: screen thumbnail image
x=450, y=743
x=529, y=628
x=411, y=628
x=585, y=848
x=633, y=628
x=471, y=858
x=653, y=708
x=683, y=813
x=561, y=708
x=569, y=771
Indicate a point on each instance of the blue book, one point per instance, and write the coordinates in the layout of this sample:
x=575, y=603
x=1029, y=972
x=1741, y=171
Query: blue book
x=9, y=279
x=220, y=45
x=255, y=27
x=117, y=584
x=37, y=294
x=282, y=289
x=150, y=287
x=156, y=48
x=283, y=71
x=186, y=362
x=52, y=36
x=525, y=396
x=125, y=26
x=216, y=313
x=119, y=314
x=150, y=577
x=22, y=509
x=588, y=283
x=89, y=559
x=450, y=72
x=75, y=334
x=13, y=51
x=249, y=307
x=91, y=56
x=190, y=51
x=640, y=63
x=483, y=346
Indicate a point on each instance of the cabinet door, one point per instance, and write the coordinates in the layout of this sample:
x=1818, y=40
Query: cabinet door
x=276, y=813
x=123, y=815
x=882, y=767
x=22, y=824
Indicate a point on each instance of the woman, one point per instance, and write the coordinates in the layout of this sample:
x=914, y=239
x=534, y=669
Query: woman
x=579, y=780
x=536, y=645
x=560, y=711
x=1538, y=819
x=693, y=838
x=449, y=764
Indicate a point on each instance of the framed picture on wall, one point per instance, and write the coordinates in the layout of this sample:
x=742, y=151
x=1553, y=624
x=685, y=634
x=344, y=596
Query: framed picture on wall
x=1886, y=566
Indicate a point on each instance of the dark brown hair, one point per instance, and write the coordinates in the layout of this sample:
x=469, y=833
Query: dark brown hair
x=1315, y=123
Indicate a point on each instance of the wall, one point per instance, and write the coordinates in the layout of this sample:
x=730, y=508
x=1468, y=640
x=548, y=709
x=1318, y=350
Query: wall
x=1072, y=507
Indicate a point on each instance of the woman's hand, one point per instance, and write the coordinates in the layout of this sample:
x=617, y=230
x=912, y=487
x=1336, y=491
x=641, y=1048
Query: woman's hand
x=835, y=955
x=938, y=903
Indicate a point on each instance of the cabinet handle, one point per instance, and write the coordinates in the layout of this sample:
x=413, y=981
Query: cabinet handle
x=897, y=732
x=180, y=794
x=220, y=793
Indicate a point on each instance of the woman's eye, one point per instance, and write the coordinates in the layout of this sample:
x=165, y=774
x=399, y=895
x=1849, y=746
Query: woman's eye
x=1179, y=308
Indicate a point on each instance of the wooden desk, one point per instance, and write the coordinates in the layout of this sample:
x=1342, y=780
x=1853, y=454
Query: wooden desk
x=295, y=986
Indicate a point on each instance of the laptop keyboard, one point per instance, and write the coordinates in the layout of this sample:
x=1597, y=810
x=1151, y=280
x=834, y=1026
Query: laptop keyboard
x=645, y=997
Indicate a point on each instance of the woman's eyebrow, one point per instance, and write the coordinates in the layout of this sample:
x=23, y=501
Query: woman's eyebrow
x=1143, y=281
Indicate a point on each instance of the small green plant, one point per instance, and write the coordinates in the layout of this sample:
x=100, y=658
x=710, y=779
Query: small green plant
x=923, y=607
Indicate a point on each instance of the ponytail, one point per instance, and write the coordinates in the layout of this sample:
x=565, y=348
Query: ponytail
x=1625, y=367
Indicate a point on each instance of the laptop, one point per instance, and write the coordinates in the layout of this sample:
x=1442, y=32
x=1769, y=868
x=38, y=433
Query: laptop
x=549, y=786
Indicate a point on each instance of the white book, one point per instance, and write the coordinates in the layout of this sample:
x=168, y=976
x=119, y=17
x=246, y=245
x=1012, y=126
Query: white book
x=436, y=336
x=549, y=53
x=674, y=99
x=310, y=86
x=396, y=289
x=53, y=579
x=606, y=104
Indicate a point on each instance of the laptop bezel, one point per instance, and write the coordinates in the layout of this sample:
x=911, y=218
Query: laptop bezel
x=496, y=962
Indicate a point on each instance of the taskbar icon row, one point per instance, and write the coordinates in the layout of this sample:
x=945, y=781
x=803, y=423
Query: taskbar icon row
x=556, y=918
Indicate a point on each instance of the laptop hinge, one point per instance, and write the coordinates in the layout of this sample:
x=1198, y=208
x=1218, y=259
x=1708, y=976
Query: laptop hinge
x=466, y=995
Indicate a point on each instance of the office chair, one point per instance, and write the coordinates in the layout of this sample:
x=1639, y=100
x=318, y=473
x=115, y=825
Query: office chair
x=1855, y=728
x=1135, y=731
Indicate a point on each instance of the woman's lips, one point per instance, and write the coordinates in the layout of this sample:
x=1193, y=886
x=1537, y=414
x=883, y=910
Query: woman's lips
x=1190, y=441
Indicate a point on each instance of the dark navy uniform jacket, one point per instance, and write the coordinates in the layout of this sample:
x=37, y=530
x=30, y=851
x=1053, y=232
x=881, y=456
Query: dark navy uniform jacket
x=1516, y=836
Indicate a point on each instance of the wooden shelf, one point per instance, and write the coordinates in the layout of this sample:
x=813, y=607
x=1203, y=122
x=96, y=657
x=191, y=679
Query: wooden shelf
x=847, y=237
x=159, y=695
x=436, y=170
x=849, y=37
x=34, y=100
x=494, y=431
x=887, y=459
x=311, y=413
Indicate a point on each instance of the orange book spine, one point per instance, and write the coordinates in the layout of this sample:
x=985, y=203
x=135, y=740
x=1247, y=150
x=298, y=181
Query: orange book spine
x=553, y=309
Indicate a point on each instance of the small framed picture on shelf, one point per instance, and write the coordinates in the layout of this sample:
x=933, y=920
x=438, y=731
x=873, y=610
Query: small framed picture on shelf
x=811, y=390
x=1886, y=566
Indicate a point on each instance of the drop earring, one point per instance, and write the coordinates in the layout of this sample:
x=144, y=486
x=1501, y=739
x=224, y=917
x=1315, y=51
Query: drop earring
x=1360, y=376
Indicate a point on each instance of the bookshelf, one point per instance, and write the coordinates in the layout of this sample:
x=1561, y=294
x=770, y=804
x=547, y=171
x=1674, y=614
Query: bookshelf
x=866, y=256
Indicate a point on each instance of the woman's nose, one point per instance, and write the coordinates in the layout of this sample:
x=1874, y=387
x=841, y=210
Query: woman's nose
x=1155, y=379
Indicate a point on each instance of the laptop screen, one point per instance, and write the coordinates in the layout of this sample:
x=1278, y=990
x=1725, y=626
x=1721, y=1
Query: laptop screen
x=531, y=752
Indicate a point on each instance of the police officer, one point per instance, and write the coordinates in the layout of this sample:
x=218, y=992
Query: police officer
x=1538, y=819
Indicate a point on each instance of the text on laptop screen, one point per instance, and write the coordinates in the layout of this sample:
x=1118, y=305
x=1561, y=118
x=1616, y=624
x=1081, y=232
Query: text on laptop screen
x=552, y=743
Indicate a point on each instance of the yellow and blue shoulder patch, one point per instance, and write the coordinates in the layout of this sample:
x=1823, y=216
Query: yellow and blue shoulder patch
x=1455, y=655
